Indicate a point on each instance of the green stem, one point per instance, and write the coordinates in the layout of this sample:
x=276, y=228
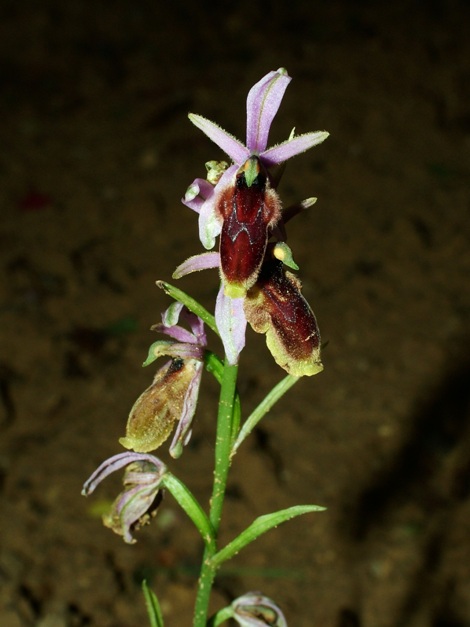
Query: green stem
x=223, y=444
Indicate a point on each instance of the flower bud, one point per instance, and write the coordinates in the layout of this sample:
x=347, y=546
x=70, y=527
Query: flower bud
x=255, y=610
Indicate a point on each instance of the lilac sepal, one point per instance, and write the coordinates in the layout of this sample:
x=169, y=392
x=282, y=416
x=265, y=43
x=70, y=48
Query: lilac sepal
x=176, y=332
x=229, y=144
x=231, y=323
x=169, y=326
x=197, y=327
x=129, y=508
x=262, y=105
x=292, y=147
x=116, y=463
x=196, y=263
x=197, y=194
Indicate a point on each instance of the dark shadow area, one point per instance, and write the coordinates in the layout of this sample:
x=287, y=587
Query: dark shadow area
x=439, y=425
x=431, y=472
x=96, y=153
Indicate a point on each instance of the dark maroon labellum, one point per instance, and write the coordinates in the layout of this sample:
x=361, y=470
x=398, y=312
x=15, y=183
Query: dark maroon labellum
x=248, y=212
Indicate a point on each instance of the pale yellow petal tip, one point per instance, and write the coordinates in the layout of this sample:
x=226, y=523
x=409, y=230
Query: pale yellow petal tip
x=233, y=290
x=139, y=446
x=303, y=369
x=127, y=443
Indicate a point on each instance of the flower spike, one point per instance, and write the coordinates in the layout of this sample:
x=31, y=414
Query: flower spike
x=244, y=207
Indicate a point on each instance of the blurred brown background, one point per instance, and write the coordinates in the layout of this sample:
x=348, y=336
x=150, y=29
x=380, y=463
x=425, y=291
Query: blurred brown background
x=95, y=153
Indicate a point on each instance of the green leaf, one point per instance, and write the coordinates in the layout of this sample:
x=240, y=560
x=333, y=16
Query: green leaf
x=260, y=526
x=191, y=506
x=220, y=617
x=190, y=303
x=271, y=398
x=153, y=606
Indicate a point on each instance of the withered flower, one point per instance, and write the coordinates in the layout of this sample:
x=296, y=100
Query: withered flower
x=138, y=502
x=172, y=397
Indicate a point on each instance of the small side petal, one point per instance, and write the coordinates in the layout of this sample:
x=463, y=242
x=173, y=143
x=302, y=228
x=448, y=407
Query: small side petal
x=231, y=323
x=229, y=144
x=262, y=105
x=210, y=222
x=196, y=263
x=176, y=332
x=292, y=147
x=197, y=194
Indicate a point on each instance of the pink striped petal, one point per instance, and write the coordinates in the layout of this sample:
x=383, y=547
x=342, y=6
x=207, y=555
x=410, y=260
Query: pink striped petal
x=262, y=105
x=292, y=147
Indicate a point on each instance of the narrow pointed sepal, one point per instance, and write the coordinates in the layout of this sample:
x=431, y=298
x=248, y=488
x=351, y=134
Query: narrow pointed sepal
x=292, y=147
x=227, y=142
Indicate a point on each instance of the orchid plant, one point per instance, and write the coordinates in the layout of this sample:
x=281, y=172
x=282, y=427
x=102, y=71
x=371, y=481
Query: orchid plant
x=238, y=204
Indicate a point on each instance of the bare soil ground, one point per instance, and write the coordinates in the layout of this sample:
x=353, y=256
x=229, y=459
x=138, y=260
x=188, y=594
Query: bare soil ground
x=95, y=153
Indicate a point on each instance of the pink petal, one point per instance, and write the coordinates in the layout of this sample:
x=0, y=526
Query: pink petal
x=229, y=144
x=292, y=147
x=196, y=263
x=262, y=105
x=197, y=194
